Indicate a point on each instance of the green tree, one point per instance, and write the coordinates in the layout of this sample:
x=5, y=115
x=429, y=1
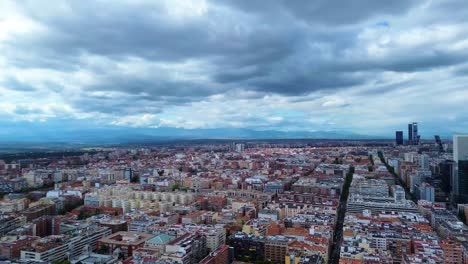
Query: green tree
x=337, y=161
x=82, y=215
x=104, y=249
x=135, y=178
x=61, y=262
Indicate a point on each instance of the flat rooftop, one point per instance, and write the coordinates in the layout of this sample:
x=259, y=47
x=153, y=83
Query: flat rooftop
x=126, y=238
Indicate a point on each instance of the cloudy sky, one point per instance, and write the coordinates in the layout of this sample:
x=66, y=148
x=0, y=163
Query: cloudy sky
x=364, y=66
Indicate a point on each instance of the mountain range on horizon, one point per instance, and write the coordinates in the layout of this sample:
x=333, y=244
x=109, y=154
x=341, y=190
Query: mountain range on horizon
x=117, y=134
x=69, y=131
x=64, y=132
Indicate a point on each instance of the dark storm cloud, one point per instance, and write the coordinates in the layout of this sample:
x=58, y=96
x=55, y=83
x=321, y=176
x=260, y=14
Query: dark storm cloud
x=131, y=85
x=127, y=105
x=303, y=84
x=255, y=46
x=404, y=61
x=236, y=75
x=128, y=101
x=433, y=59
x=151, y=35
x=328, y=12
x=115, y=32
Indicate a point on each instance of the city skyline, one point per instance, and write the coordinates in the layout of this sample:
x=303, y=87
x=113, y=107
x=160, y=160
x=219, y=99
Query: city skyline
x=360, y=68
x=225, y=202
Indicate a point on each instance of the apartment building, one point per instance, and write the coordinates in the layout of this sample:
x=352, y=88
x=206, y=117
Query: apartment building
x=60, y=247
x=10, y=222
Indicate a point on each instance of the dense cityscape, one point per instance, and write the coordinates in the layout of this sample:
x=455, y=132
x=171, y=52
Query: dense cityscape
x=305, y=202
x=233, y=132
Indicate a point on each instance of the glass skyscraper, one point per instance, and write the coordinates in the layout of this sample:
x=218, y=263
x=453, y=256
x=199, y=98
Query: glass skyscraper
x=413, y=138
x=399, y=137
x=460, y=177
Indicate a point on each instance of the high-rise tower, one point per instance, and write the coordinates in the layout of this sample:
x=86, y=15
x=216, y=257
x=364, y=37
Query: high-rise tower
x=439, y=143
x=460, y=177
x=413, y=137
x=399, y=137
x=410, y=134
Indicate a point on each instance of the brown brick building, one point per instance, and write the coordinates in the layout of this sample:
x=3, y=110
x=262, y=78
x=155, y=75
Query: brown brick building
x=12, y=249
x=219, y=256
x=276, y=249
x=38, y=211
x=453, y=251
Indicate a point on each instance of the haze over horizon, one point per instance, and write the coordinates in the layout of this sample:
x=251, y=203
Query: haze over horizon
x=365, y=68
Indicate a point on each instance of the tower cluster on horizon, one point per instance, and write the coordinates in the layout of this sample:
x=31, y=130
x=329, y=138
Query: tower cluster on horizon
x=413, y=136
x=237, y=147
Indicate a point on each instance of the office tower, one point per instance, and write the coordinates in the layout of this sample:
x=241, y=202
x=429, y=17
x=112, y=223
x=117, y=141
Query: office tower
x=232, y=146
x=460, y=177
x=415, y=134
x=399, y=137
x=128, y=174
x=446, y=172
x=410, y=134
x=439, y=143
x=413, y=138
x=424, y=162
x=426, y=192
x=398, y=193
x=240, y=147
